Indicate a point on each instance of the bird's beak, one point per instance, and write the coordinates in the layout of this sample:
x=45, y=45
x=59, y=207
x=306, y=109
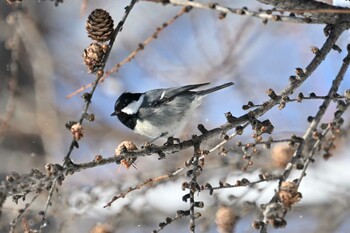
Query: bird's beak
x=114, y=114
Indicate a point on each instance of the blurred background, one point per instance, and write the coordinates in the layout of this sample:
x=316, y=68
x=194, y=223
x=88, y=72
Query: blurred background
x=41, y=62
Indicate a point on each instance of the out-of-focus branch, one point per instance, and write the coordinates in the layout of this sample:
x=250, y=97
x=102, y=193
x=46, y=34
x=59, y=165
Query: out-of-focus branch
x=31, y=37
x=298, y=4
x=242, y=183
x=148, y=181
x=265, y=15
x=322, y=12
x=316, y=9
x=13, y=45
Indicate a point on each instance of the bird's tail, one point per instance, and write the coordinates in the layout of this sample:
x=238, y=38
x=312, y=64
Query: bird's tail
x=210, y=90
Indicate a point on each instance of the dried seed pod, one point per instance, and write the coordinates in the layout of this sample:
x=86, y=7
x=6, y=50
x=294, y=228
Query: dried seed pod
x=315, y=50
x=271, y=93
x=128, y=145
x=299, y=72
x=125, y=147
x=77, y=131
x=181, y=213
x=256, y=224
x=225, y=219
x=87, y=97
x=100, y=25
x=222, y=15
x=289, y=194
x=342, y=106
x=53, y=169
x=229, y=117
x=90, y=117
x=98, y=158
x=93, y=57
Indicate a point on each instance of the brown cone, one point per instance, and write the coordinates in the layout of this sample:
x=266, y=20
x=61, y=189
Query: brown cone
x=93, y=57
x=100, y=25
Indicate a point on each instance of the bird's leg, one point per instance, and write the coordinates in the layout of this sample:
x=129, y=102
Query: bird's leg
x=160, y=136
x=149, y=143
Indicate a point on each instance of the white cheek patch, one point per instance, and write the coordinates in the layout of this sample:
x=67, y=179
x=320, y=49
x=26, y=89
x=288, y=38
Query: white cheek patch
x=133, y=107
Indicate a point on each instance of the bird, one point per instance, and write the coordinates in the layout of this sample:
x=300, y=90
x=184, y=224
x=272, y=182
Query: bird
x=161, y=112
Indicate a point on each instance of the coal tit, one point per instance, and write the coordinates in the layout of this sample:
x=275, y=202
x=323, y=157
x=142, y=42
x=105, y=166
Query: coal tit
x=160, y=112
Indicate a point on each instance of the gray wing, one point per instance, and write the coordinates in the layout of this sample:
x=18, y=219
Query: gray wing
x=168, y=116
x=160, y=96
x=166, y=107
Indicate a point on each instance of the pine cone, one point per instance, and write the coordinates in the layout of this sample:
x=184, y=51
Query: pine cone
x=100, y=25
x=126, y=146
x=93, y=57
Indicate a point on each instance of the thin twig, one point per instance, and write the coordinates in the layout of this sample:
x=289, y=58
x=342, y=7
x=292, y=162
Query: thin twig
x=234, y=134
x=21, y=213
x=300, y=99
x=243, y=183
x=118, y=28
x=139, y=186
x=48, y=203
x=317, y=9
x=168, y=221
